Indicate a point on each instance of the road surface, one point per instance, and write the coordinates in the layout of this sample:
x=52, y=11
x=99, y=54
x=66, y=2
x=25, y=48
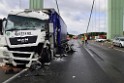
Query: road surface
x=90, y=63
x=3, y=76
x=110, y=60
x=78, y=67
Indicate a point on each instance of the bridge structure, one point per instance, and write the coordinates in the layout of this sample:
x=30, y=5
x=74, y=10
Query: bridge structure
x=36, y=4
x=115, y=16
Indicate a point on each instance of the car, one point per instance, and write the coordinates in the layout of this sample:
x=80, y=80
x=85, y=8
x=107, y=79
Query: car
x=118, y=41
x=100, y=40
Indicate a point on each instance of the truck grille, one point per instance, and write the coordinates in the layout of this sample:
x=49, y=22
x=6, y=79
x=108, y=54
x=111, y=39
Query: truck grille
x=23, y=49
x=21, y=55
x=21, y=61
x=23, y=40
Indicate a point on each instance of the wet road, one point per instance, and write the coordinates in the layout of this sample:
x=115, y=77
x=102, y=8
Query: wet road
x=79, y=67
x=3, y=76
x=110, y=60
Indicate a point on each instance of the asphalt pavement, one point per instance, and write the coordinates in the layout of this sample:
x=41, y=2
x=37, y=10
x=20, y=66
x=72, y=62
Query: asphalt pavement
x=110, y=60
x=79, y=67
x=4, y=76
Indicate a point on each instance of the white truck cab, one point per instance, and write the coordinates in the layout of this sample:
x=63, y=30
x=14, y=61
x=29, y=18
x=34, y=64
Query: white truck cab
x=24, y=34
x=32, y=35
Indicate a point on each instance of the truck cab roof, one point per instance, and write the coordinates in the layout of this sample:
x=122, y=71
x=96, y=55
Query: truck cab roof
x=39, y=14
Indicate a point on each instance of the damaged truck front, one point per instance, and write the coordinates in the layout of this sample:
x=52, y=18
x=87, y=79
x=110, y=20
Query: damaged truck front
x=31, y=36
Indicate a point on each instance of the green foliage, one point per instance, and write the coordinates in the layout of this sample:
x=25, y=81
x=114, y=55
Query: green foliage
x=70, y=35
x=94, y=34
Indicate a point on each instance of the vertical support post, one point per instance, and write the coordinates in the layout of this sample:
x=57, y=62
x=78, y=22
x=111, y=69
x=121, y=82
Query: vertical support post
x=36, y=4
x=115, y=18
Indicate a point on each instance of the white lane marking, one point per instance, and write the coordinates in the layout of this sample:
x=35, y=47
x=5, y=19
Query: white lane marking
x=89, y=52
x=118, y=50
x=86, y=49
x=13, y=77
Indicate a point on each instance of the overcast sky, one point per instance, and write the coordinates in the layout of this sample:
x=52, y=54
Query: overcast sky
x=75, y=13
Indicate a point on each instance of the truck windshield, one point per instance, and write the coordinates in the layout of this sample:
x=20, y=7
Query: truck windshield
x=24, y=23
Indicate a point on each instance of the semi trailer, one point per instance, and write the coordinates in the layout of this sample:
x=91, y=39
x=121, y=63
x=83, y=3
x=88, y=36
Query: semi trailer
x=29, y=36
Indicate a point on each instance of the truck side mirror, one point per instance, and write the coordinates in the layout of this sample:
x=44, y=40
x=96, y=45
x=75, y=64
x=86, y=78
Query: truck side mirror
x=1, y=25
x=4, y=21
x=51, y=30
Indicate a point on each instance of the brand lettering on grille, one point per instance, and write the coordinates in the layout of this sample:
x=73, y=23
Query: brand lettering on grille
x=22, y=33
x=23, y=40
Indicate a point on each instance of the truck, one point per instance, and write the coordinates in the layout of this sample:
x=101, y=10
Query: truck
x=29, y=36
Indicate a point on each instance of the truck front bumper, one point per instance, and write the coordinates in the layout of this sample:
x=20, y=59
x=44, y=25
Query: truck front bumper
x=17, y=58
